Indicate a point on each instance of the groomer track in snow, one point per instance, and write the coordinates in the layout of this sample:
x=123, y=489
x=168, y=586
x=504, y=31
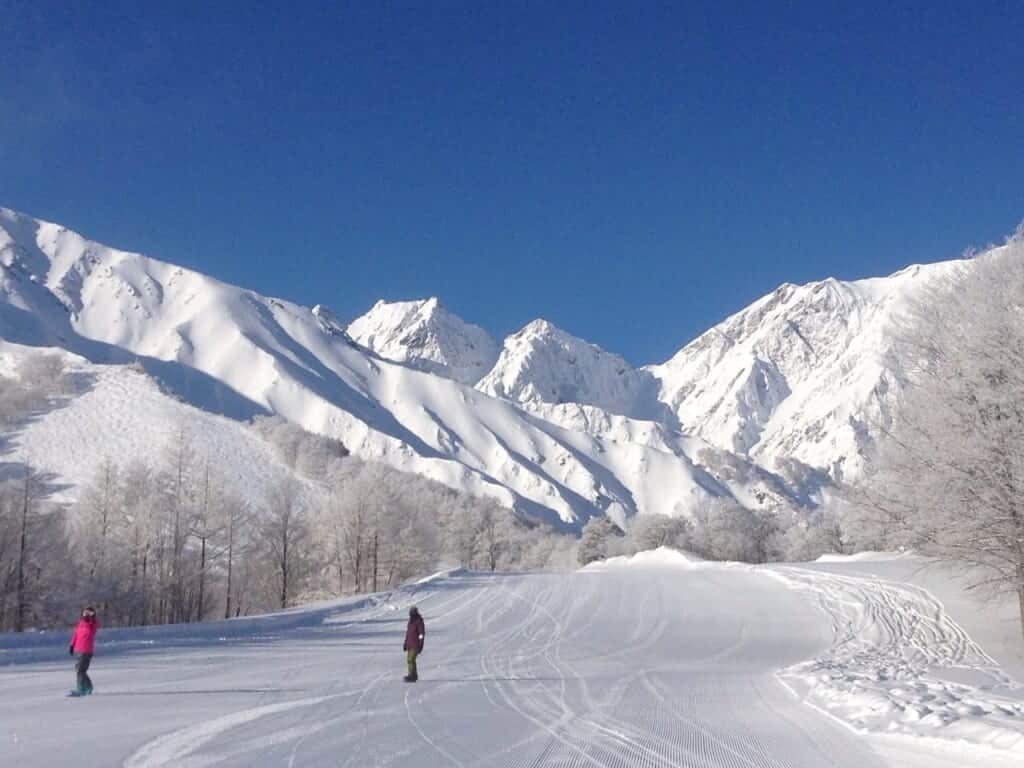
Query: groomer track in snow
x=655, y=662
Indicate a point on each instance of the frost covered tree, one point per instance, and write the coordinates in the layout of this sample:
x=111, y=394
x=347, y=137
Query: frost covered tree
x=32, y=543
x=39, y=379
x=25, y=512
x=284, y=532
x=653, y=531
x=725, y=530
x=493, y=535
x=949, y=477
x=235, y=519
x=599, y=539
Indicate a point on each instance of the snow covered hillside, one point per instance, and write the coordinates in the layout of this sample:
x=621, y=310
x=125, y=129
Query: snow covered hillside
x=119, y=413
x=233, y=352
x=660, y=660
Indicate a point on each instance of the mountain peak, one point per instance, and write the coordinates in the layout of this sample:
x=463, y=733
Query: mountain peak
x=540, y=327
x=542, y=363
x=424, y=334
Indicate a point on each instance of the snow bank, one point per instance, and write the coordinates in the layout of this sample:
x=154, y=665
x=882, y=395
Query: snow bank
x=860, y=557
x=899, y=664
x=662, y=557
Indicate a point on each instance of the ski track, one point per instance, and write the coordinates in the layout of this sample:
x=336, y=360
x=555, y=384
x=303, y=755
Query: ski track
x=627, y=668
x=900, y=664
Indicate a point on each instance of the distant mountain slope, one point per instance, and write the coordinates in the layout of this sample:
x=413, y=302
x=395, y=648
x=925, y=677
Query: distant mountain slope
x=231, y=351
x=802, y=373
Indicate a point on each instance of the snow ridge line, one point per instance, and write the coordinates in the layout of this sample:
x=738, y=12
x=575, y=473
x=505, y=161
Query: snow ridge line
x=899, y=664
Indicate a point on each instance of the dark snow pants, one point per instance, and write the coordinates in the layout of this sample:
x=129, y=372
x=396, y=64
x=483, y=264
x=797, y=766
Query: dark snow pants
x=82, y=668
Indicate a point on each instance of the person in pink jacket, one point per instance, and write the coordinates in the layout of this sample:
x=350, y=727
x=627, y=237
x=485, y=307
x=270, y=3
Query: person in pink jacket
x=83, y=643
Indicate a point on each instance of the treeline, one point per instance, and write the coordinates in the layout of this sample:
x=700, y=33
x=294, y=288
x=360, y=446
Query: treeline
x=166, y=540
x=721, y=529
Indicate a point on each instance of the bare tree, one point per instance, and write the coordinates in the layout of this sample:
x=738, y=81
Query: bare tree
x=179, y=494
x=492, y=539
x=27, y=504
x=285, y=532
x=234, y=521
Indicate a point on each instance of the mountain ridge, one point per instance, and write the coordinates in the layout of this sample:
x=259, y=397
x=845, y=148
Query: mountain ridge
x=230, y=350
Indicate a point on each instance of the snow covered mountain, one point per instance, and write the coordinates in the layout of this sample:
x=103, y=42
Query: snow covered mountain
x=233, y=352
x=544, y=364
x=802, y=373
x=425, y=335
x=765, y=407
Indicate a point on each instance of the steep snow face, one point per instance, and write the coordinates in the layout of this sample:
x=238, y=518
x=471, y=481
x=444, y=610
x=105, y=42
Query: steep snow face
x=802, y=373
x=234, y=352
x=120, y=414
x=425, y=335
x=544, y=364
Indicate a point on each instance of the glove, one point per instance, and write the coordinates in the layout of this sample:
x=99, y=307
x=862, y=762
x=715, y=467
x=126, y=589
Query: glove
x=71, y=650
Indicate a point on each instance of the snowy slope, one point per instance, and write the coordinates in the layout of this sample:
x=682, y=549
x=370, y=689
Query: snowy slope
x=119, y=413
x=234, y=352
x=425, y=335
x=662, y=661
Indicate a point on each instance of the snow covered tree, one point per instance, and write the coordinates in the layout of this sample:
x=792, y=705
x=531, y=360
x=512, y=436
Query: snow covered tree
x=284, y=532
x=598, y=540
x=26, y=507
x=138, y=508
x=949, y=477
x=235, y=518
x=493, y=535
x=177, y=483
x=34, y=573
x=653, y=531
x=725, y=530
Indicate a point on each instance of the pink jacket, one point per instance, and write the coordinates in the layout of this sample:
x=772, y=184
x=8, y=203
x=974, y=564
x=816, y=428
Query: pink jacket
x=84, y=638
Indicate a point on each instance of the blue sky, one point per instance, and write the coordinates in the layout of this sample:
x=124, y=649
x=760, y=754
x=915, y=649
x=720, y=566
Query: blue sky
x=633, y=172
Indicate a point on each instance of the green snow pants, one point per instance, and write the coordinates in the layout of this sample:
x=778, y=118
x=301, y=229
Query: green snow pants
x=410, y=657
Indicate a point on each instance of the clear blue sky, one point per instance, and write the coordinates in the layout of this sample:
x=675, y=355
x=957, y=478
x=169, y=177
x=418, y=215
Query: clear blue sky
x=633, y=172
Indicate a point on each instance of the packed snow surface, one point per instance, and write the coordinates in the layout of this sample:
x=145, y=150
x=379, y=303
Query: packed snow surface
x=659, y=661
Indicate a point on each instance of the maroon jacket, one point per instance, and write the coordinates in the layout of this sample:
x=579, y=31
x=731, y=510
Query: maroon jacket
x=414, y=633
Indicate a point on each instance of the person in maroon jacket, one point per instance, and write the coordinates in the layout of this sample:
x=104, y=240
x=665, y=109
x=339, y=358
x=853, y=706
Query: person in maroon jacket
x=83, y=643
x=413, y=646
